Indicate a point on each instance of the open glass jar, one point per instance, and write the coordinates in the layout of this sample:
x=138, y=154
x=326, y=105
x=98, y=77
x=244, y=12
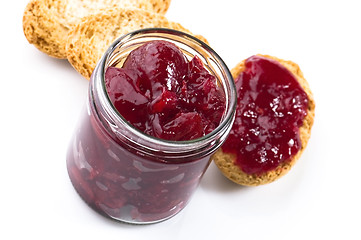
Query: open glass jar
x=125, y=174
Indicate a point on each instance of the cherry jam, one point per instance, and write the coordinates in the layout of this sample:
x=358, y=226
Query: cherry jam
x=162, y=94
x=271, y=107
x=121, y=183
x=142, y=144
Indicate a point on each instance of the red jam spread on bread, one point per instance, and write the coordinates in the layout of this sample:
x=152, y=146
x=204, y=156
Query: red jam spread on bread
x=271, y=107
x=164, y=95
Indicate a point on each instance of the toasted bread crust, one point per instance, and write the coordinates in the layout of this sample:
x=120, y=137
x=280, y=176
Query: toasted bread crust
x=159, y=6
x=89, y=39
x=225, y=161
x=46, y=22
x=39, y=24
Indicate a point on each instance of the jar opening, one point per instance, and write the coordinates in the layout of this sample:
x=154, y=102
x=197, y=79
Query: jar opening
x=190, y=46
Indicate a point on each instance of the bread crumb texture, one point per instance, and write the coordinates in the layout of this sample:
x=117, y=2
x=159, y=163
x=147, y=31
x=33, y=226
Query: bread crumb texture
x=89, y=39
x=226, y=162
x=46, y=23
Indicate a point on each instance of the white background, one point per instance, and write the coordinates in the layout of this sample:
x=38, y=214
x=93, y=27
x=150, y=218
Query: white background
x=41, y=97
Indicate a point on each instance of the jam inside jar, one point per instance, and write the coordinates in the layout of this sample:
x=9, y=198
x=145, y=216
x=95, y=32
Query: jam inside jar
x=126, y=174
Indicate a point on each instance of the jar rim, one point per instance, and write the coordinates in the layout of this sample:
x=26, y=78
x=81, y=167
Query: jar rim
x=227, y=120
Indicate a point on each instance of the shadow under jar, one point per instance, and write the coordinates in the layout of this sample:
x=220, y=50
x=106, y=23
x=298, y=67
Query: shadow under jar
x=126, y=174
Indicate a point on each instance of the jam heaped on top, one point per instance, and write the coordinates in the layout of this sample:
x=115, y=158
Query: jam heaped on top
x=271, y=106
x=164, y=95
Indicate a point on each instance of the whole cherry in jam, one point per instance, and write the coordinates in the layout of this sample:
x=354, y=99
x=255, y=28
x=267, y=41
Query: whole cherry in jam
x=271, y=107
x=161, y=93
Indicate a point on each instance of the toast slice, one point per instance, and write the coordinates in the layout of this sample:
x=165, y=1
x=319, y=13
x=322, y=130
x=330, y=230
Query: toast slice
x=46, y=23
x=225, y=161
x=89, y=40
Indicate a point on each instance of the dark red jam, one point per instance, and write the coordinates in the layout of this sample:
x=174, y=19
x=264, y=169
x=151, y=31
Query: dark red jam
x=125, y=185
x=271, y=107
x=164, y=95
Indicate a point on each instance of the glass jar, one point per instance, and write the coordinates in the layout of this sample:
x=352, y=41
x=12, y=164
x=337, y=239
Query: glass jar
x=125, y=174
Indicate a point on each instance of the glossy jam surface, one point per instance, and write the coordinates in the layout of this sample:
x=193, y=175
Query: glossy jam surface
x=271, y=107
x=164, y=95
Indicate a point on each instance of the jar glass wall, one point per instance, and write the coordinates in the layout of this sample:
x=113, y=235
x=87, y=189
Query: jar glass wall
x=125, y=174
